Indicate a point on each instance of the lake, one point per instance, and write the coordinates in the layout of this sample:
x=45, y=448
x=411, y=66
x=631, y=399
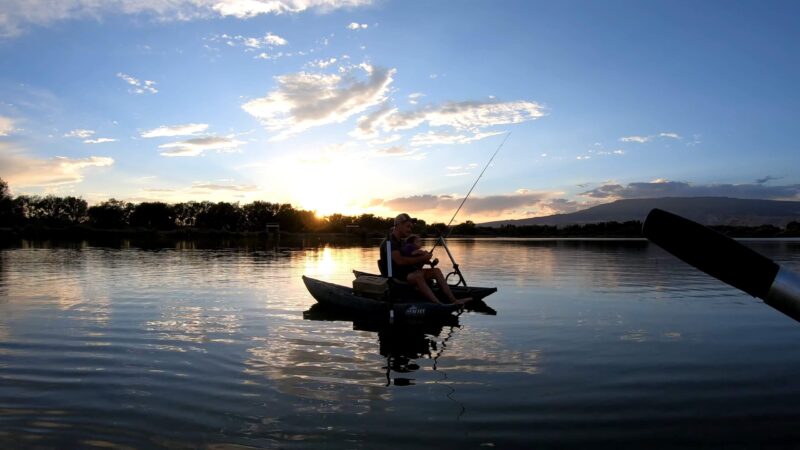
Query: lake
x=595, y=343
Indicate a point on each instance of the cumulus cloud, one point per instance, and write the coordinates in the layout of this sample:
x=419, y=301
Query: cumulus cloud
x=357, y=26
x=23, y=170
x=138, y=86
x=304, y=100
x=99, y=141
x=6, y=126
x=18, y=15
x=187, y=129
x=665, y=188
x=462, y=116
x=197, y=146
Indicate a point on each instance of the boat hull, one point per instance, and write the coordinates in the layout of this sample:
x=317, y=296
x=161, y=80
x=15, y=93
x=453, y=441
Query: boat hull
x=342, y=297
x=477, y=293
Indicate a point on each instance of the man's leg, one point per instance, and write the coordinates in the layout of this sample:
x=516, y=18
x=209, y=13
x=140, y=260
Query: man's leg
x=436, y=274
x=417, y=279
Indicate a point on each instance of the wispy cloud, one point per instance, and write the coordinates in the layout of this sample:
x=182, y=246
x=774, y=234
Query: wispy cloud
x=250, y=8
x=22, y=170
x=357, y=26
x=18, y=15
x=99, y=141
x=304, y=100
x=80, y=133
x=649, y=138
x=6, y=126
x=462, y=116
x=322, y=63
x=197, y=146
x=187, y=129
x=438, y=138
x=488, y=206
x=269, y=40
x=665, y=188
x=224, y=187
x=138, y=86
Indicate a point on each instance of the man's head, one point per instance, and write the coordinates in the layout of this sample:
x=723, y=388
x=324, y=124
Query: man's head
x=402, y=224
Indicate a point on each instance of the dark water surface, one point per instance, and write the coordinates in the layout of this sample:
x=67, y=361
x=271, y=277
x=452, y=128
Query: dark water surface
x=611, y=344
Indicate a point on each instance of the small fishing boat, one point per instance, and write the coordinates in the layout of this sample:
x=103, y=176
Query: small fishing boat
x=401, y=302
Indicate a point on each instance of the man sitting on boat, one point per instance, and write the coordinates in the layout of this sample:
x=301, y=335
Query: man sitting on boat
x=404, y=268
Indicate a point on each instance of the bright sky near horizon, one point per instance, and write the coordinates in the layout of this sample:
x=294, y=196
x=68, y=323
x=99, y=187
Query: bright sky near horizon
x=383, y=106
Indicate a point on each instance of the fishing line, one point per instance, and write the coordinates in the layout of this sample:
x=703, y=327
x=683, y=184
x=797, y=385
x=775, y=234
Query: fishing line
x=449, y=225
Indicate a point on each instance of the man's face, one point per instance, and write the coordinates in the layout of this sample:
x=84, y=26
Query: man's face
x=404, y=229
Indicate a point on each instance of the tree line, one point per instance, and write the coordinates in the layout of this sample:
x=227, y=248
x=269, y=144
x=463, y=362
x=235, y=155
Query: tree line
x=53, y=212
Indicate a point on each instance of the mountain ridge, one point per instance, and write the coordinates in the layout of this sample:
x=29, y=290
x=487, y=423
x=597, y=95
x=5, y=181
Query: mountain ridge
x=705, y=210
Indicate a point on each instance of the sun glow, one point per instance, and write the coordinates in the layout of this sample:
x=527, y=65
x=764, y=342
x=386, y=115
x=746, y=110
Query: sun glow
x=326, y=185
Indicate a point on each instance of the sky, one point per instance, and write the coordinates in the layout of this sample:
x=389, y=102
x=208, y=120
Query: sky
x=388, y=106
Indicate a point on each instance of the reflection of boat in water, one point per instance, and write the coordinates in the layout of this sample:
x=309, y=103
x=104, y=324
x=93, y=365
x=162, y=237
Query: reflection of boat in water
x=402, y=301
x=400, y=343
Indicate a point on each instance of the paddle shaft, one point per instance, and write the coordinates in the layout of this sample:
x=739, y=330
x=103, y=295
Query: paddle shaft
x=726, y=260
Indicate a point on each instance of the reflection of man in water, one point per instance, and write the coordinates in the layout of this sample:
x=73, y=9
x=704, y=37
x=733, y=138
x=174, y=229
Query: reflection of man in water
x=404, y=267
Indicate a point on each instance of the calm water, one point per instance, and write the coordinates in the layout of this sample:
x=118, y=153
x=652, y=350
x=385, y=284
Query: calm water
x=609, y=344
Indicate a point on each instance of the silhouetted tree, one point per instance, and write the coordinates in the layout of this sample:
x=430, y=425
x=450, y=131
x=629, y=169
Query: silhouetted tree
x=220, y=216
x=186, y=213
x=258, y=214
x=153, y=215
x=111, y=214
x=6, y=205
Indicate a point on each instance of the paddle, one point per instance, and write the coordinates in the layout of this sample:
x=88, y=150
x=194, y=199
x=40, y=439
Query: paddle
x=726, y=260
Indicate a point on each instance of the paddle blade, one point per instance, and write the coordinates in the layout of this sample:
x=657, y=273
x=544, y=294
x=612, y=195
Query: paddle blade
x=711, y=252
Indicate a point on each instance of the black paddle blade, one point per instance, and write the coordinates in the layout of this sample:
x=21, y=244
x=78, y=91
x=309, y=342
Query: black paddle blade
x=711, y=252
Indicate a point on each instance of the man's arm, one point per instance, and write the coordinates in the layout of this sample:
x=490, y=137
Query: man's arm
x=401, y=260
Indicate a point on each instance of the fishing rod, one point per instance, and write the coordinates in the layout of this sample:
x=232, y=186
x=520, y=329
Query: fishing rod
x=442, y=237
x=450, y=224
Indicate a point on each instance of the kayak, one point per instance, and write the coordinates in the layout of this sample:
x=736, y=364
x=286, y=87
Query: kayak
x=404, y=305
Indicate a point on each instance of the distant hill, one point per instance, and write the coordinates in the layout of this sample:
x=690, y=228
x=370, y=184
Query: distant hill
x=705, y=210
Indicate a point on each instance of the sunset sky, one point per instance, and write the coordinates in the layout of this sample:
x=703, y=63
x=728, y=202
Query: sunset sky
x=385, y=106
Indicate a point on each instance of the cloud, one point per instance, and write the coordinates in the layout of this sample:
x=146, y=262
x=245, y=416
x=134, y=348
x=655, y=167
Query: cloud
x=436, y=138
x=187, y=129
x=137, y=86
x=99, y=141
x=197, y=146
x=253, y=43
x=767, y=179
x=638, y=139
x=80, y=133
x=18, y=15
x=250, y=8
x=645, y=139
x=413, y=98
x=462, y=116
x=224, y=187
x=21, y=169
x=305, y=100
x=357, y=26
x=322, y=63
x=6, y=126
x=492, y=205
x=664, y=188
